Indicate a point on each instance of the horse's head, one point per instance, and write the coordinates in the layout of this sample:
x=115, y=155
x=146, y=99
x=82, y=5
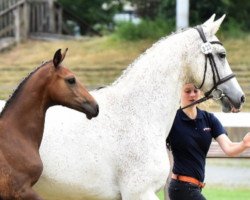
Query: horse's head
x=65, y=89
x=209, y=68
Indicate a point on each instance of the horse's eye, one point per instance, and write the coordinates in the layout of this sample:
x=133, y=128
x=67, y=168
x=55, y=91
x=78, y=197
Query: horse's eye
x=222, y=55
x=71, y=81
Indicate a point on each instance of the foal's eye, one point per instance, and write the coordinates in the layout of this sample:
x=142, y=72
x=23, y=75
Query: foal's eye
x=222, y=55
x=71, y=81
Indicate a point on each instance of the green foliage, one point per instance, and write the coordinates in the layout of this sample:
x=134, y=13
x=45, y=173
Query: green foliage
x=100, y=19
x=233, y=28
x=147, y=29
x=203, y=9
x=153, y=9
x=237, y=13
x=91, y=12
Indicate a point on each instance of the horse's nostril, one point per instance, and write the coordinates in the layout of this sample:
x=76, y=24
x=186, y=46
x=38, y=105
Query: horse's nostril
x=243, y=99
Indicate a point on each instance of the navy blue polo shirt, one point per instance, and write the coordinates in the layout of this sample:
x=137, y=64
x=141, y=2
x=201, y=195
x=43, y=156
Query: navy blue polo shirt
x=190, y=139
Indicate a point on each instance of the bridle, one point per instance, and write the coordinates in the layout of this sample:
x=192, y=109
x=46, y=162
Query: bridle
x=214, y=92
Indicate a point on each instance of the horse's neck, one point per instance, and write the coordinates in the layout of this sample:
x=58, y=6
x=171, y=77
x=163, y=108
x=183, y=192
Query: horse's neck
x=151, y=87
x=26, y=112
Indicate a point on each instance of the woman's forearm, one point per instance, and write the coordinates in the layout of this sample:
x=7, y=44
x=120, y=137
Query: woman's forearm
x=233, y=148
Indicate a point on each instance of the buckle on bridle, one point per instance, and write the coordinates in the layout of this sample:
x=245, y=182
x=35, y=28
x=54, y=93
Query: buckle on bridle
x=206, y=48
x=217, y=94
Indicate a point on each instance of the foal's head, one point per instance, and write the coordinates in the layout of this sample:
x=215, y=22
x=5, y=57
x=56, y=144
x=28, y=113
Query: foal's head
x=65, y=89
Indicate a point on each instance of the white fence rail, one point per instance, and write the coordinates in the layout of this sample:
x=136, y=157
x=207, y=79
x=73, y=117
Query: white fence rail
x=241, y=119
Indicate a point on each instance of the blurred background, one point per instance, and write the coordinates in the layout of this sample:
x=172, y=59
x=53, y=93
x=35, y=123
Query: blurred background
x=105, y=36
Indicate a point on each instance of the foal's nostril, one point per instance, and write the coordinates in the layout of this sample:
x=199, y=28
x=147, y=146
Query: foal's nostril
x=97, y=109
x=243, y=99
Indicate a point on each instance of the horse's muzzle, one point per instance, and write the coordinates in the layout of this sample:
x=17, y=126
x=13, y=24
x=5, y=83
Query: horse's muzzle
x=243, y=99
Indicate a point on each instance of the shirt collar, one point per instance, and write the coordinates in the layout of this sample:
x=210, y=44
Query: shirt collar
x=186, y=118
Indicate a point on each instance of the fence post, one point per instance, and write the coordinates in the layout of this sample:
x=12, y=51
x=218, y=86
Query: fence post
x=52, y=16
x=16, y=14
x=60, y=20
x=25, y=20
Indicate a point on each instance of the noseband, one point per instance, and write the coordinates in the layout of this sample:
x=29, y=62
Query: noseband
x=214, y=92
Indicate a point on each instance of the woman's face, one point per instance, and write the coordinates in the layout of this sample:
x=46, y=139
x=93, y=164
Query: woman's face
x=189, y=94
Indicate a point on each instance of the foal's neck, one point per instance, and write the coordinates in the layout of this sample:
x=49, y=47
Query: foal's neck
x=25, y=114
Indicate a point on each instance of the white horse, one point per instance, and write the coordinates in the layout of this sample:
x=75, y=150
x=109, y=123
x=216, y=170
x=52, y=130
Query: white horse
x=121, y=154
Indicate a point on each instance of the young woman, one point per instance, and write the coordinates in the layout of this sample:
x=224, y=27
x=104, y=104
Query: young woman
x=189, y=140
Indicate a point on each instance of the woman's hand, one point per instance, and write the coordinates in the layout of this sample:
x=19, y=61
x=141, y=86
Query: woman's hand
x=246, y=140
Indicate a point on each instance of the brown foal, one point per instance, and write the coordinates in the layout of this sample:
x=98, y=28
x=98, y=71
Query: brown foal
x=22, y=124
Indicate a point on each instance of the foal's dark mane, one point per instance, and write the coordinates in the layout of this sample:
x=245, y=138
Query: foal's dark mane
x=19, y=88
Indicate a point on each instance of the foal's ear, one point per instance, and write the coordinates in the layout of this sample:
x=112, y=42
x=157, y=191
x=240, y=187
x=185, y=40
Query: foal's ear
x=58, y=57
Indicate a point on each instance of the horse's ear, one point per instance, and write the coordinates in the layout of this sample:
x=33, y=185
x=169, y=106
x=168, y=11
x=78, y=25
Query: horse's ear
x=214, y=26
x=210, y=20
x=218, y=23
x=58, y=57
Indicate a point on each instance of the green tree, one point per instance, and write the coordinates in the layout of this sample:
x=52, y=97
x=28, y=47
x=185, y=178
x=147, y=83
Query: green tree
x=237, y=12
x=90, y=12
x=152, y=9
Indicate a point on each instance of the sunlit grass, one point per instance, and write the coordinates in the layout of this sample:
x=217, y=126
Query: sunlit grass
x=93, y=52
x=222, y=193
x=83, y=57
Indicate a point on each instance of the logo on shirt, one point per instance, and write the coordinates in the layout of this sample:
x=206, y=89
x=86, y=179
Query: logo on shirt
x=207, y=129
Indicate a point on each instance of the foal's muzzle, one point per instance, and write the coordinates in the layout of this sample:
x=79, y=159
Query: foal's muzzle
x=91, y=110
